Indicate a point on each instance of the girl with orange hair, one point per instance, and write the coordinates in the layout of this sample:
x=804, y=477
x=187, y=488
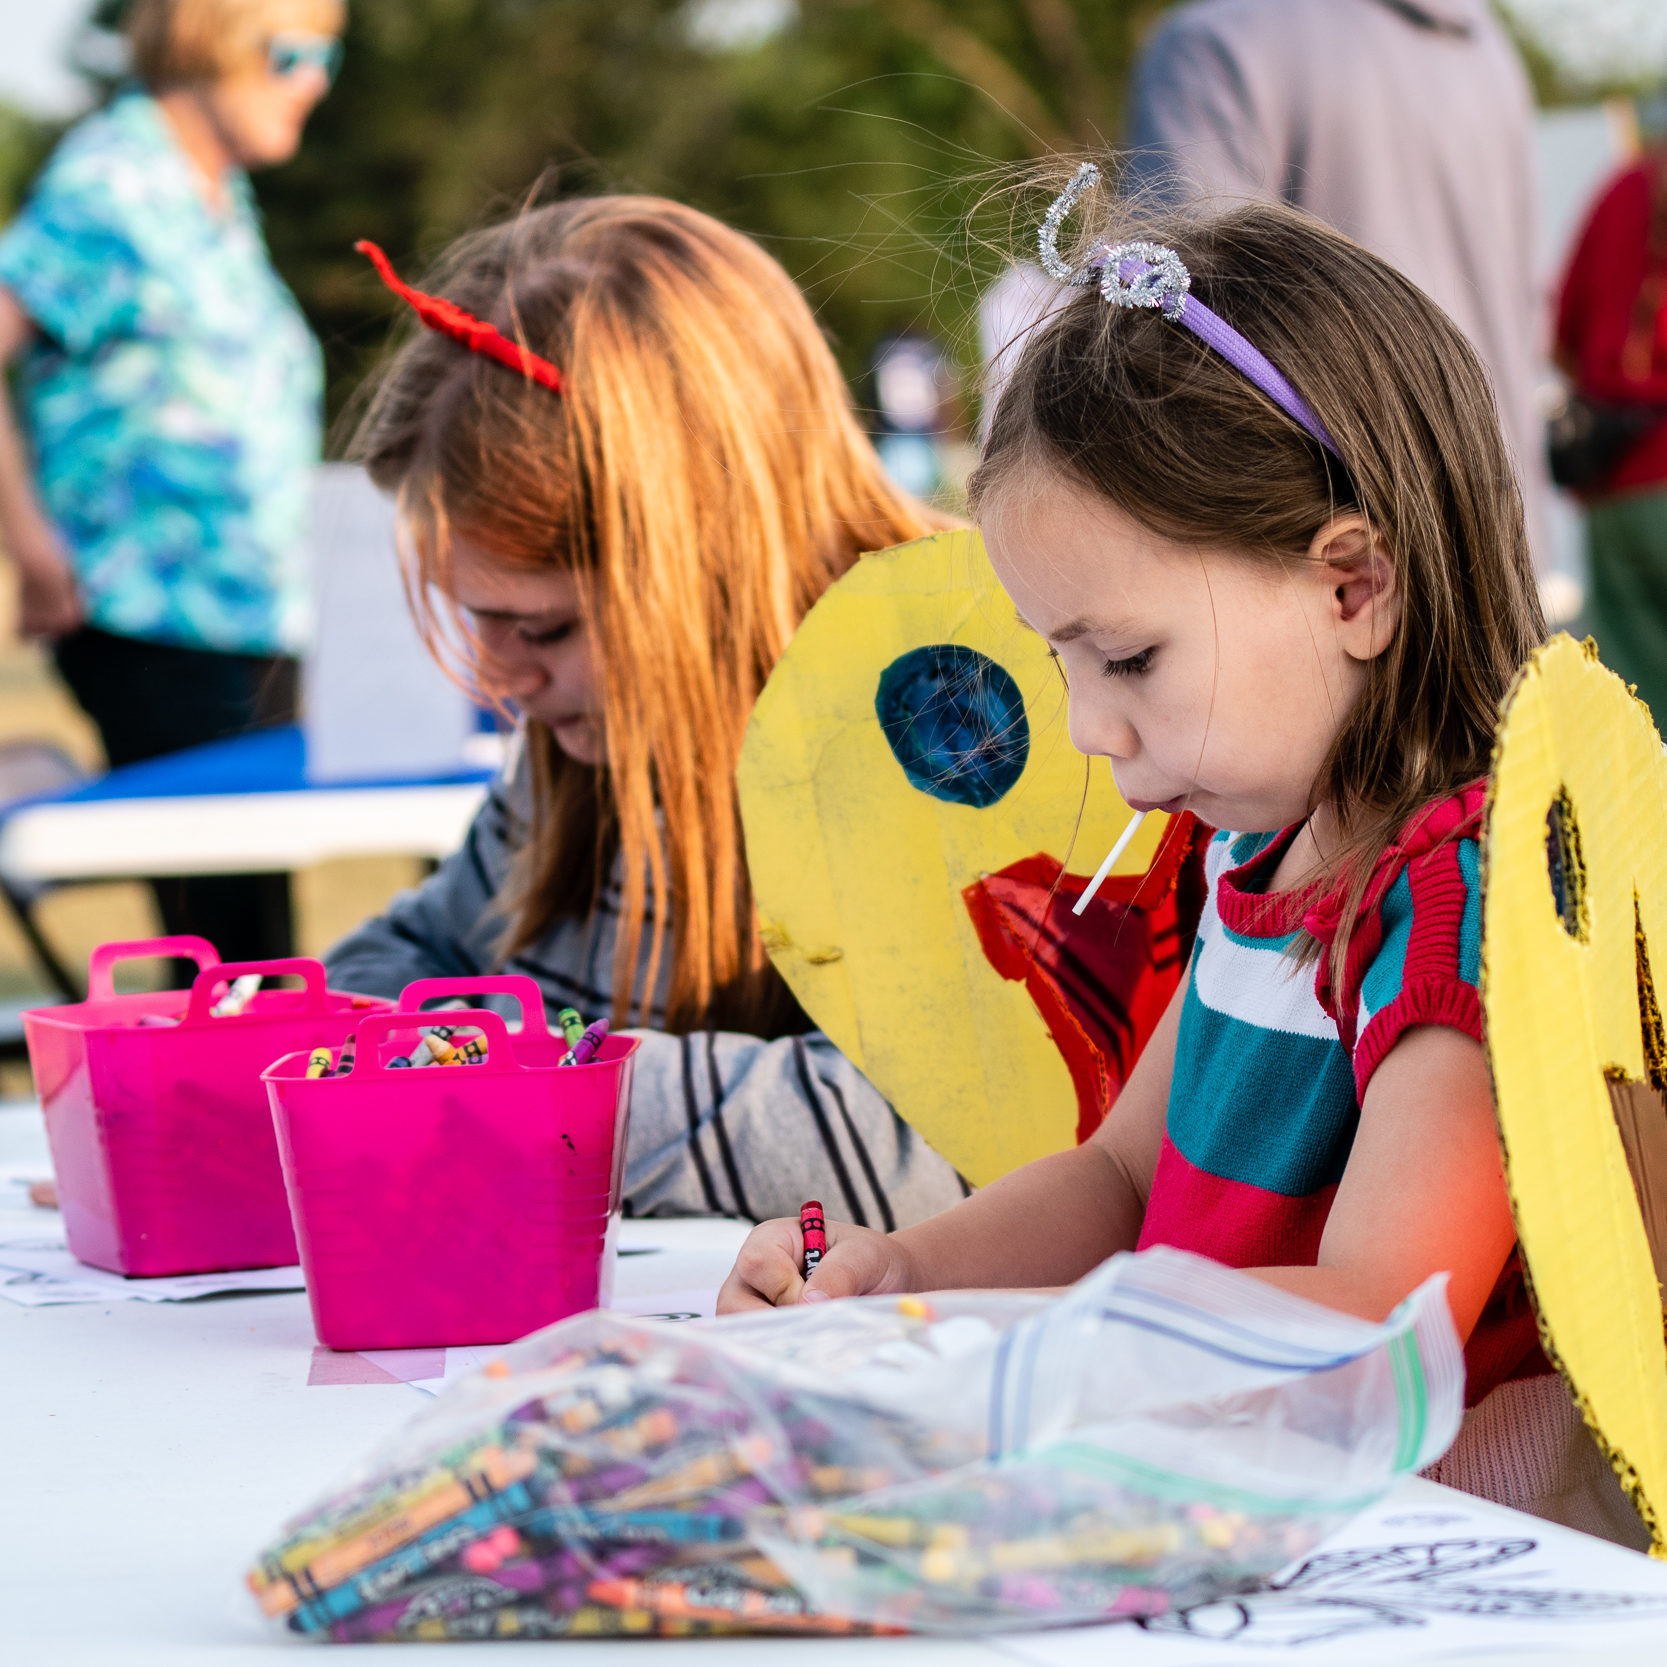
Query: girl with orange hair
x=627, y=495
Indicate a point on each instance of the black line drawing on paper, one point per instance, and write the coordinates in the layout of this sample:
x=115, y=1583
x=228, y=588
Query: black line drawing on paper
x=1338, y=1594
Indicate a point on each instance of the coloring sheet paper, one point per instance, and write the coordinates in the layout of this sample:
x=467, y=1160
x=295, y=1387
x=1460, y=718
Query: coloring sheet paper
x=428, y=1371
x=37, y=1270
x=17, y=1178
x=698, y=1303
x=665, y=1305
x=1425, y=1574
x=667, y=1270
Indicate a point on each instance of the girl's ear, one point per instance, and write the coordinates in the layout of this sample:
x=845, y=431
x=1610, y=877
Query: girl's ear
x=1364, y=597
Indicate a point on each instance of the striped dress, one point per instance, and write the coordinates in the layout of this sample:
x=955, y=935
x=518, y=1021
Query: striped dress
x=1271, y=1063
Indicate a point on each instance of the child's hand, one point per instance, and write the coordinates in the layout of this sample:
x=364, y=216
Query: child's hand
x=769, y=1272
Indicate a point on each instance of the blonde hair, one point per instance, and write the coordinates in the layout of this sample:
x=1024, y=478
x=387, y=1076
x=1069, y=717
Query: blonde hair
x=1139, y=410
x=704, y=477
x=177, y=42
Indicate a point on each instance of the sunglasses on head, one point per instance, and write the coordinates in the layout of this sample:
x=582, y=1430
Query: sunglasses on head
x=291, y=53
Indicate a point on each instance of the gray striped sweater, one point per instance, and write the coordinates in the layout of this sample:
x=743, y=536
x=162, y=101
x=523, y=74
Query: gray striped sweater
x=720, y=1123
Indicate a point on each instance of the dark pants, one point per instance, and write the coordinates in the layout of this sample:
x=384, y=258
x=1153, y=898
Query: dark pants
x=1626, y=546
x=152, y=698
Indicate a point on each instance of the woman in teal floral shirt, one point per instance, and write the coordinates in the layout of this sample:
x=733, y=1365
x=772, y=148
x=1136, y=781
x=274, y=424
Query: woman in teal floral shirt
x=154, y=495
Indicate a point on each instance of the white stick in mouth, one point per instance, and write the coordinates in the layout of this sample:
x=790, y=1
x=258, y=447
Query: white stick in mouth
x=1123, y=840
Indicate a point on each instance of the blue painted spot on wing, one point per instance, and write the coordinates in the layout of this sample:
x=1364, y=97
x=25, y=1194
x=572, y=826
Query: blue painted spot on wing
x=955, y=721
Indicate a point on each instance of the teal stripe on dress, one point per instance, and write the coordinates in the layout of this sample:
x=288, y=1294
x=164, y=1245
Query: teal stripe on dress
x=1387, y=972
x=1265, y=1108
x=1386, y=976
x=1274, y=946
x=1470, y=927
x=1249, y=845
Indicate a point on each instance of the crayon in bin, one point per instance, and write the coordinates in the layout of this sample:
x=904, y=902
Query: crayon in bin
x=238, y=996
x=432, y=1050
x=584, y=1050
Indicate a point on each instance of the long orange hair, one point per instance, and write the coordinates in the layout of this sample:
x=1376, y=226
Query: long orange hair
x=705, y=479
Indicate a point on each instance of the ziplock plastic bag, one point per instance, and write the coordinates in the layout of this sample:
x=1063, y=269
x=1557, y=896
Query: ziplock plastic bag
x=1164, y=1432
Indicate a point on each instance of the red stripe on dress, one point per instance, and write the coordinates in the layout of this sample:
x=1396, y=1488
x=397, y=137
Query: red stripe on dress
x=1438, y=827
x=1439, y=895
x=1231, y=1221
x=1432, y=990
x=1457, y=1006
x=1245, y=1227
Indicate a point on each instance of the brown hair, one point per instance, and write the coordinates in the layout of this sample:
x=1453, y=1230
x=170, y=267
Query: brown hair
x=177, y=42
x=705, y=479
x=1138, y=409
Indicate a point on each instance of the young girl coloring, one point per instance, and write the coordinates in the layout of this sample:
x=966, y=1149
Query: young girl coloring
x=1290, y=600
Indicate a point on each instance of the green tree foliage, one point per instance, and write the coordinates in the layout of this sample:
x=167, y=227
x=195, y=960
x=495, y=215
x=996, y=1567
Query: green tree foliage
x=859, y=140
x=854, y=140
x=24, y=142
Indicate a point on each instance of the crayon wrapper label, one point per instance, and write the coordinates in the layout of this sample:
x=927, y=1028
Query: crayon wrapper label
x=319, y=1566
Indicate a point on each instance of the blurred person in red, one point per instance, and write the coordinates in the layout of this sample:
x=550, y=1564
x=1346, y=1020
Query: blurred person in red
x=1612, y=346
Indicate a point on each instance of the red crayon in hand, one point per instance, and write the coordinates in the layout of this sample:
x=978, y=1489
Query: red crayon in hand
x=816, y=1238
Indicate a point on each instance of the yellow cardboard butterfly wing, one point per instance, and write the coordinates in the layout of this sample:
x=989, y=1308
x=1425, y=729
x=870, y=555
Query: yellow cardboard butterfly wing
x=1575, y=899
x=909, y=753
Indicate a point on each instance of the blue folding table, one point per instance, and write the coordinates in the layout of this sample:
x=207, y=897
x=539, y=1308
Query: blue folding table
x=232, y=807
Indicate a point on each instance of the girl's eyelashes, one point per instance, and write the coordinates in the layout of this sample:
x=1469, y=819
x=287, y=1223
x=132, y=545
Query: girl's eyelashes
x=1133, y=666
x=506, y=627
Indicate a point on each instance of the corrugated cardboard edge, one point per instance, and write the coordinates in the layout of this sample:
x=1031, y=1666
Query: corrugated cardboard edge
x=1618, y=1462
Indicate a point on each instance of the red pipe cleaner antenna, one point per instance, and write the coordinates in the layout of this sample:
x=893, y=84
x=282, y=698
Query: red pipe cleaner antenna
x=475, y=334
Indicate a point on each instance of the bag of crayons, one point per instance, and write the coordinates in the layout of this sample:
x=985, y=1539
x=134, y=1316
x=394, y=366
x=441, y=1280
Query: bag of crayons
x=1165, y=1432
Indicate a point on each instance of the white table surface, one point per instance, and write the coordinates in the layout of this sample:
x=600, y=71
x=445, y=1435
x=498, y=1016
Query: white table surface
x=234, y=833
x=148, y=1450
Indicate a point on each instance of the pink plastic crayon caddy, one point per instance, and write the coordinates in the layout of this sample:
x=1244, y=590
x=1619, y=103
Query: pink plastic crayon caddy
x=160, y=1131
x=458, y=1204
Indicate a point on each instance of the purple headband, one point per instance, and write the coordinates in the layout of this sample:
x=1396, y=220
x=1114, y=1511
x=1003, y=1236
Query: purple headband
x=1149, y=275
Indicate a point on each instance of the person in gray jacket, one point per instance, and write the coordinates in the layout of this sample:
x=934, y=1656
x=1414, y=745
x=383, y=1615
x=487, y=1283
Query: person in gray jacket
x=722, y=1123
x=626, y=509
x=1407, y=124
